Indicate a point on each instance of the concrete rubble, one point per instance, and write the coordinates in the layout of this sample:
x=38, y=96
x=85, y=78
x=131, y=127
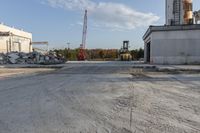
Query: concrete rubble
x=2, y=59
x=30, y=58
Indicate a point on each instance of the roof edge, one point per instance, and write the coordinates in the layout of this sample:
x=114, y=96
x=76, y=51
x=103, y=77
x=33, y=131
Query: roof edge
x=170, y=28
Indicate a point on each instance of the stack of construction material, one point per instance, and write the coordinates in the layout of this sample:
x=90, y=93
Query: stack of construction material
x=30, y=58
x=2, y=59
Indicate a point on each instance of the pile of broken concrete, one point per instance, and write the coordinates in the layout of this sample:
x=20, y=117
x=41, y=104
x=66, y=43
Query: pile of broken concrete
x=30, y=58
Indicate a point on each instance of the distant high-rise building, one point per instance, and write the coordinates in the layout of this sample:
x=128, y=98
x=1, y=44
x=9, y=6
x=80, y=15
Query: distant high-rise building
x=179, y=12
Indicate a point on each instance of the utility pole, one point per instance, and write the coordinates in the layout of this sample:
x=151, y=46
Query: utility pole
x=68, y=50
x=68, y=45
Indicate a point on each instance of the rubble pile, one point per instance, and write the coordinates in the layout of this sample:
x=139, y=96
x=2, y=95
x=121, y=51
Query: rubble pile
x=2, y=59
x=30, y=58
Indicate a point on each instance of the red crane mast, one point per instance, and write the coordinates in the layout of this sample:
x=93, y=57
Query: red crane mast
x=81, y=54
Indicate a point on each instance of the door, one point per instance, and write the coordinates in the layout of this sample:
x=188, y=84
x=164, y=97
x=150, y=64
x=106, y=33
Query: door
x=148, y=52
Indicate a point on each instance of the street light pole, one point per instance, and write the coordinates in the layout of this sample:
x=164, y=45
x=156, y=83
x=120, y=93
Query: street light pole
x=68, y=50
x=68, y=44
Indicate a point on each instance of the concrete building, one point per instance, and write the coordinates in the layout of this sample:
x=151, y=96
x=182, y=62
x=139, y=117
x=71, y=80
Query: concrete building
x=12, y=39
x=178, y=41
x=172, y=44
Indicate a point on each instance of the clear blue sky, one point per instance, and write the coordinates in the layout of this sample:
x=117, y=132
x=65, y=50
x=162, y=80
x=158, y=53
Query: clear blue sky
x=109, y=21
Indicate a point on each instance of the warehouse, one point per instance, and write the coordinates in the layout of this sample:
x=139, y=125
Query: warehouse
x=172, y=44
x=12, y=39
x=176, y=42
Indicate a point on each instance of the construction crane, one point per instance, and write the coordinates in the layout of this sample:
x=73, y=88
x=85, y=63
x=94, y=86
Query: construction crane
x=81, y=54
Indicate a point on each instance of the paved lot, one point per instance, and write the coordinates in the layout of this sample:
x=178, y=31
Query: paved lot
x=6, y=73
x=100, y=98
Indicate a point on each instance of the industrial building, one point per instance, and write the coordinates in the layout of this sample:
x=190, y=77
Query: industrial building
x=178, y=41
x=12, y=39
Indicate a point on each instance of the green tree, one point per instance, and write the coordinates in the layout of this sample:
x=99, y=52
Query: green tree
x=137, y=54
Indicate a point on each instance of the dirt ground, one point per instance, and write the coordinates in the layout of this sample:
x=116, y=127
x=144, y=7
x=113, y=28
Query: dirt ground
x=100, y=98
x=19, y=72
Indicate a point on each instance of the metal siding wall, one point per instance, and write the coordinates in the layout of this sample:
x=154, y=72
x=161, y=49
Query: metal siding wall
x=24, y=38
x=3, y=44
x=181, y=47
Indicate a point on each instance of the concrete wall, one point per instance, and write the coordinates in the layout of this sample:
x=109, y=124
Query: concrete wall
x=175, y=47
x=3, y=44
x=18, y=40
